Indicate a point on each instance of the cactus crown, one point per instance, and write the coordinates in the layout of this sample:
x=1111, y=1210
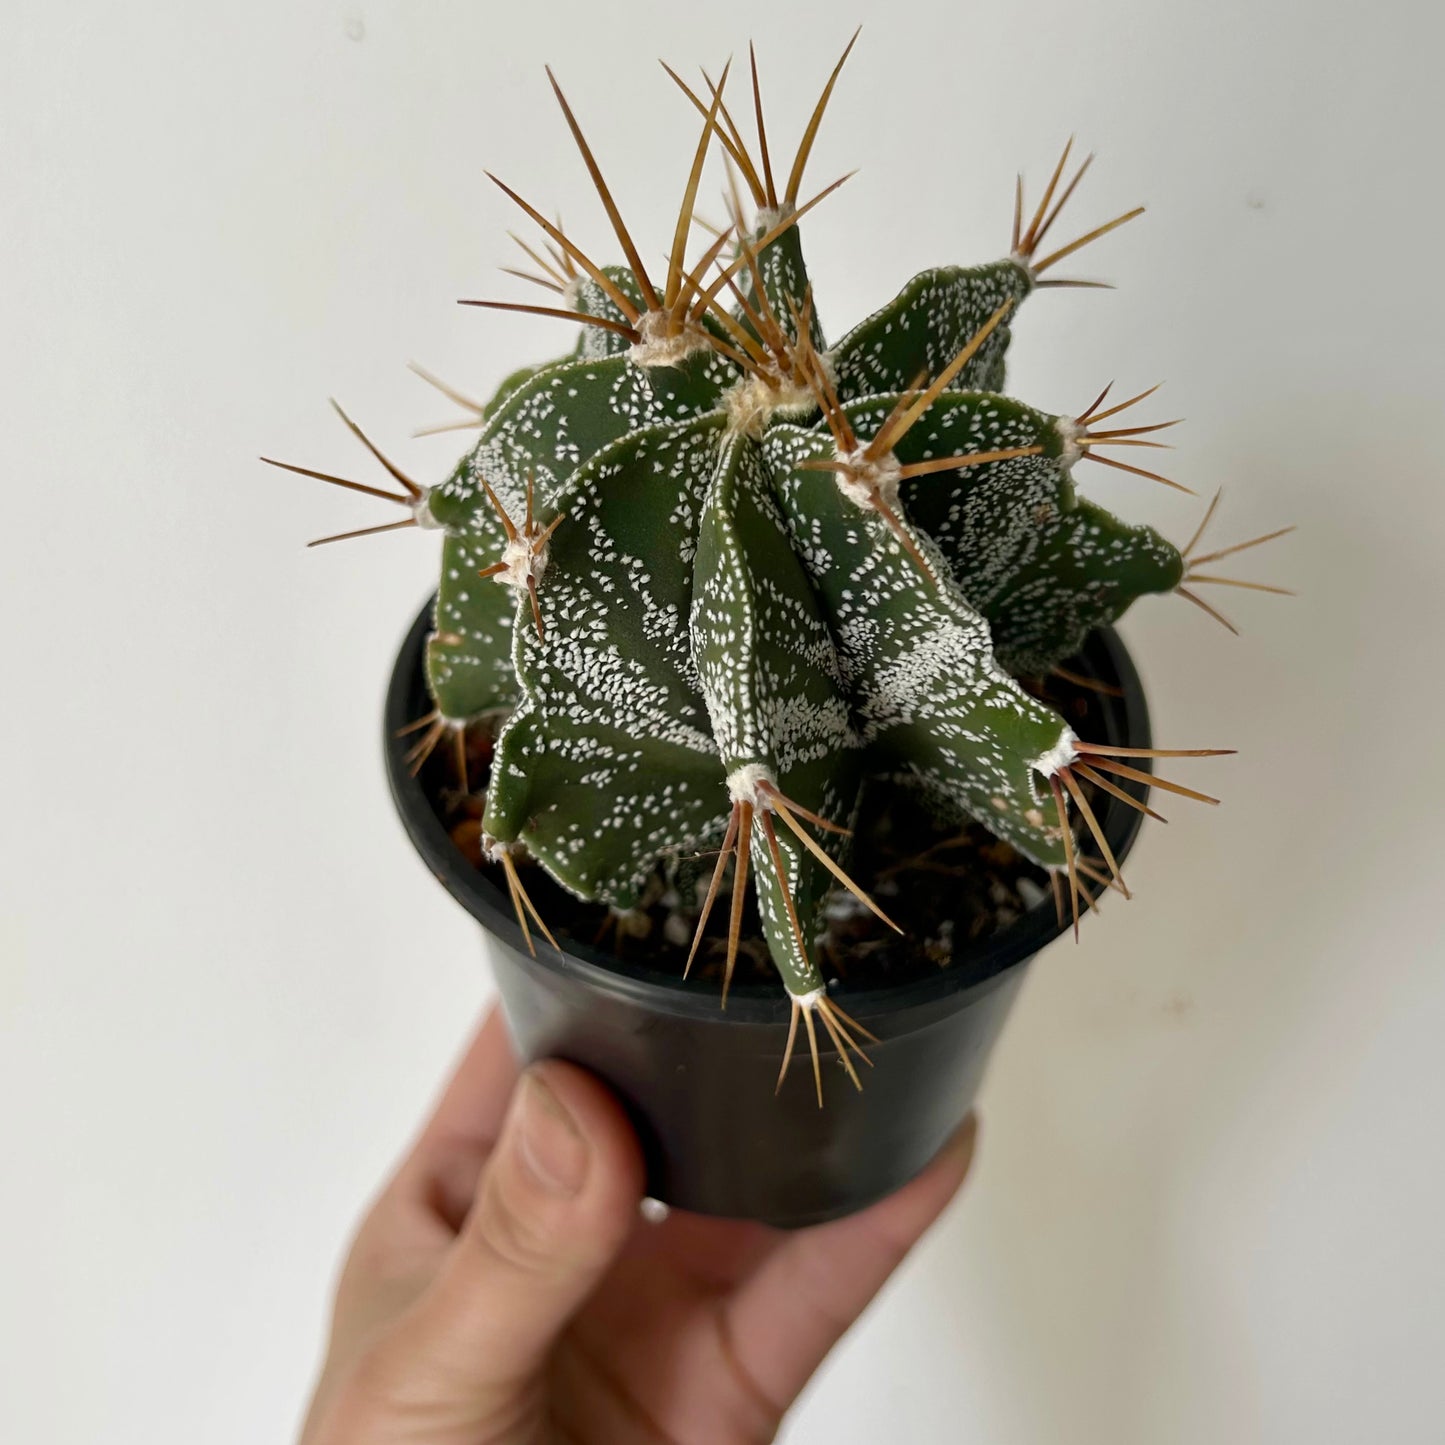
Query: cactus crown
x=709, y=573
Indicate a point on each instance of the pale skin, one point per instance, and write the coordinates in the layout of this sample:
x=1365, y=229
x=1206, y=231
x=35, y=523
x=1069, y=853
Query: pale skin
x=505, y=1290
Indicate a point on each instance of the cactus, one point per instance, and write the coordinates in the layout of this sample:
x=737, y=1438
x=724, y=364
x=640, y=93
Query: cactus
x=707, y=574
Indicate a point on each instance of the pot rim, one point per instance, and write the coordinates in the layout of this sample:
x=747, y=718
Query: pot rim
x=980, y=964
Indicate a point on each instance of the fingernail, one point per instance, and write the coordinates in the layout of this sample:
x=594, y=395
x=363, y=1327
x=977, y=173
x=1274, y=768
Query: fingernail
x=549, y=1144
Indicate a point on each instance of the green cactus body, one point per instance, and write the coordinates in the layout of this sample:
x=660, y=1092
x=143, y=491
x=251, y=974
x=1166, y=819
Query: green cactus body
x=926, y=325
x=714, y=577
x=718, y=615
x=932, y=703
x=1043, y=566
x=719, y=619
x=771, y=676
x=784, y=276
x=608, y=764
x=544, y=429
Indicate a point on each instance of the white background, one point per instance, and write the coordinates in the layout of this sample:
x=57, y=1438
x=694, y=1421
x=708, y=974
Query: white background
x=1209, y=1195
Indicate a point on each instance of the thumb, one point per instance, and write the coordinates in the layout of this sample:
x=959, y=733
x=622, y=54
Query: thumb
x=556, y=1202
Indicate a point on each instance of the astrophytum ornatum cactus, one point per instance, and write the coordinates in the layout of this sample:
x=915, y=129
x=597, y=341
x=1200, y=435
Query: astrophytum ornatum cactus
x=708, y=573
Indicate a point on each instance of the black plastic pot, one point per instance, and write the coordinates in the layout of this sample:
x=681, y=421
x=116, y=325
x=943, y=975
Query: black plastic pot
x=698, y=1082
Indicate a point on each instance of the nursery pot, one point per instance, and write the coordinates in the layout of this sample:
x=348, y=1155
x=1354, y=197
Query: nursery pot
x=698, y=1081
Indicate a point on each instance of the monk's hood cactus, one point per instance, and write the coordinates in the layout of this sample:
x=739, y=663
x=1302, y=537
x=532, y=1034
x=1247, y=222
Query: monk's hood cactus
x=714, y=572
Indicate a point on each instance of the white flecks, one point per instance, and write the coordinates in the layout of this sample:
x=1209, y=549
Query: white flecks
x=937, y=312
x=916, y=659
x=610, y=696
x=811, y=999
x=600, y=709
x=494, y=849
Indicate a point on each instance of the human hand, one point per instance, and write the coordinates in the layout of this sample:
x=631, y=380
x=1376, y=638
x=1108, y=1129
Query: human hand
x=504, y=1289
